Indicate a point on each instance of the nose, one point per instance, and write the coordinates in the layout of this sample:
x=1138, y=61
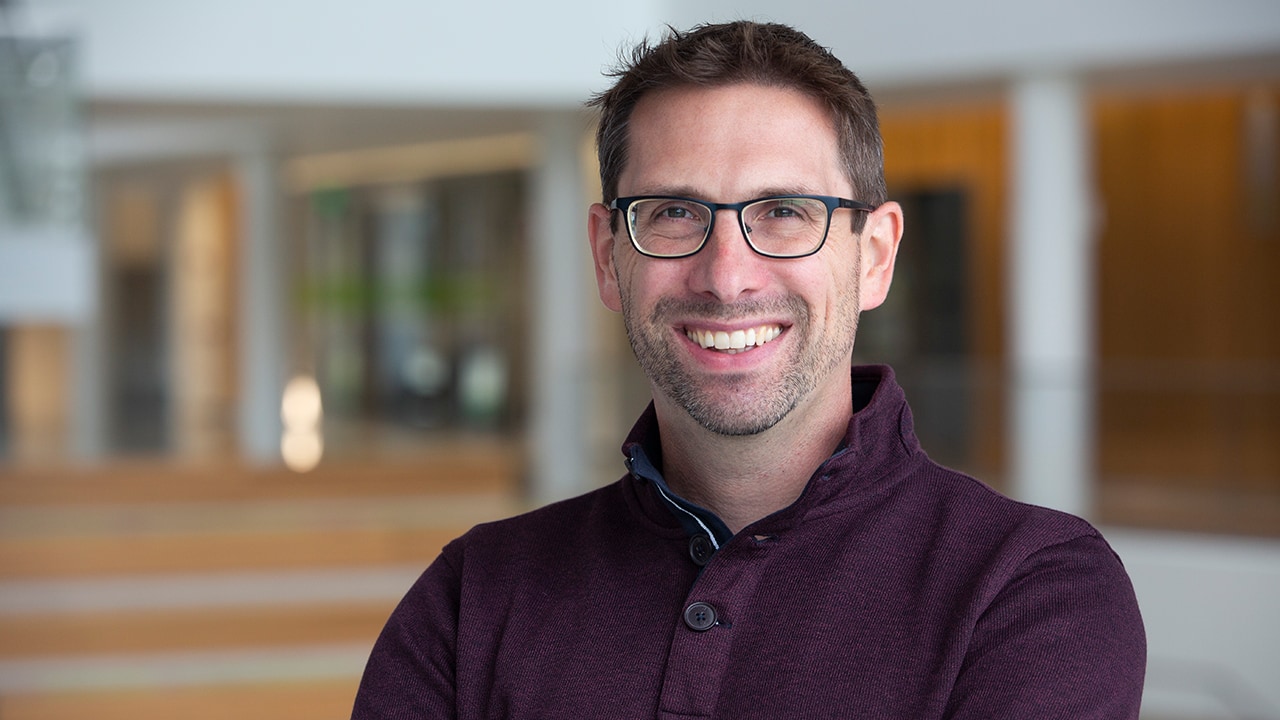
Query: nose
x=726, y=268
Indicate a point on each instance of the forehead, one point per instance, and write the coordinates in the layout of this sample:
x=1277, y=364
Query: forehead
x=731, y=141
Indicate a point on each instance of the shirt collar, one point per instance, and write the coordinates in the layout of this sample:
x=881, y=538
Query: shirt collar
x=694, y=518
x=878, y=441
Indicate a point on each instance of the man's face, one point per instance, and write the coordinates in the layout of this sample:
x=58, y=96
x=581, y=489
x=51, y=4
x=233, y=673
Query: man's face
x=789, y=323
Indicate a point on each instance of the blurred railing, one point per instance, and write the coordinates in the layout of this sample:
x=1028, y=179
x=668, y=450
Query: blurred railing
x=1189, y=445
x=1181, y=445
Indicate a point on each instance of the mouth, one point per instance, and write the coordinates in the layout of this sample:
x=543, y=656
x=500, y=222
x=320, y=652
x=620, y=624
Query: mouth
x=732, y=342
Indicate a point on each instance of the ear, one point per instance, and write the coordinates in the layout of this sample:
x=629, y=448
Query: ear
x=602, y=241
x=880, y=238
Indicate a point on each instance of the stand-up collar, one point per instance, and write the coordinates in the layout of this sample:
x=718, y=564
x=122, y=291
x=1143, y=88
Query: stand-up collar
x=878, y=443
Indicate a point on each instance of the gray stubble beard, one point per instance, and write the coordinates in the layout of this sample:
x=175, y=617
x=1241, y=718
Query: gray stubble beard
x=708, y=406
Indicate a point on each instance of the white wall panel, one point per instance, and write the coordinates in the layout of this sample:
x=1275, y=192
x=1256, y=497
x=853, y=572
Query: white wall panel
x=927, y=41
x=45, y=276
x=375, y=51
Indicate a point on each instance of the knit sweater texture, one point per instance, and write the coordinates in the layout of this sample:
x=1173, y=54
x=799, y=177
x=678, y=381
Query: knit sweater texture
x=891, y=588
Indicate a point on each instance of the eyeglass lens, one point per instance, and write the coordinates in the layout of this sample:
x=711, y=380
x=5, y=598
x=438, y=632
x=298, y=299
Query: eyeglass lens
x=778, y=226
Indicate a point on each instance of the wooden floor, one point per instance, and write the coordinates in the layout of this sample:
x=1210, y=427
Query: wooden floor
x=313, y=700
x=154, y=590
x=145, y=590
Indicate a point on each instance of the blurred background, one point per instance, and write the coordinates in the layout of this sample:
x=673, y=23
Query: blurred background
x=293, y=293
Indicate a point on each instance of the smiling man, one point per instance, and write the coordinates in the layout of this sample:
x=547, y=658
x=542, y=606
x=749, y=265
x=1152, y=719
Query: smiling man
x=780, y=546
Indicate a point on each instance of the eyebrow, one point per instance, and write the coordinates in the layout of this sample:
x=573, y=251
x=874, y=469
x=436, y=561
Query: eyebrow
x=687, y=191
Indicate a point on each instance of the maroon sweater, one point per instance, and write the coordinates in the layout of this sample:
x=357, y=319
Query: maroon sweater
x=892, y=588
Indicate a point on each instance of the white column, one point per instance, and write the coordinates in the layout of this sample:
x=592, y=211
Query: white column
x=560, y=446
x=1051, y=288
x=88, y=366
x=261, y=308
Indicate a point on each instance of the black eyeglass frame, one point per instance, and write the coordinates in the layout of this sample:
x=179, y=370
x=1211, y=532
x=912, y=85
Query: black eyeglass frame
x=832, y=203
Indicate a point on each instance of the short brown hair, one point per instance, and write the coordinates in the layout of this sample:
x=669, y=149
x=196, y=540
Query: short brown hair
x=744, y=52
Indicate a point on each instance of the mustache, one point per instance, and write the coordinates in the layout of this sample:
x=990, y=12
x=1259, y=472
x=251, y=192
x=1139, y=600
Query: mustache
x=789, y=305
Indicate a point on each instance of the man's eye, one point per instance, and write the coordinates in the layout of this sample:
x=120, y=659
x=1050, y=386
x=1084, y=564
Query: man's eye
x=789, y=210
x=783, y=210
x=675, y=212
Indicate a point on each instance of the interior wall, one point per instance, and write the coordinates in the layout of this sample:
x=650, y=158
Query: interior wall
x=37, y=363
x=962, y=146
x=201, y=335
x=1189, y=308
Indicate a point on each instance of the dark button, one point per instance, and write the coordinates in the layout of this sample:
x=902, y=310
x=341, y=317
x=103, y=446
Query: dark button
x=700, y=549
x=700, y=616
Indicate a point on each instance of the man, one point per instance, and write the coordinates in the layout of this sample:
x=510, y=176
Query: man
x=781, y=546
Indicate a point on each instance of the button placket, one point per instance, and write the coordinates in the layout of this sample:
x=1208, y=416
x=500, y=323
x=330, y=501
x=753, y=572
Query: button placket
x=707, y=627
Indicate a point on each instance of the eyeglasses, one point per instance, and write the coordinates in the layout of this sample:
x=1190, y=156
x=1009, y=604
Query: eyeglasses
x=779, y=226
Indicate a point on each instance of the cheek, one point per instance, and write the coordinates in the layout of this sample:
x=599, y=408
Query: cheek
x=847, y=278
x=625, y=280
x=643, y=281
x=832, y=286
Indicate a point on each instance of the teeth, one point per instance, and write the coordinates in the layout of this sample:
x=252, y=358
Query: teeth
x=736, y=340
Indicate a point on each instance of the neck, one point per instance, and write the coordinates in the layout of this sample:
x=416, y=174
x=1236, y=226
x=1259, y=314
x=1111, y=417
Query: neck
x=745, y=478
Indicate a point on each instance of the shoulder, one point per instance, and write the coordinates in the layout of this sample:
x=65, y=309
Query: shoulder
x=1051, y=605
x=1059, y=616
x=564, y=537
x=497, y=559
x=997, y=546
x=979, y=515
x=556, y=523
